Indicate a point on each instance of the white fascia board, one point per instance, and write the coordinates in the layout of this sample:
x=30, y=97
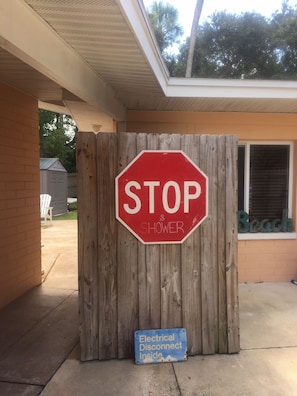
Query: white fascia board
x=135, y=14
x=229, y=88
x=25, y=35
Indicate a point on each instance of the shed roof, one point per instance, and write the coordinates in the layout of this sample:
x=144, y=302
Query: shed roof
x=51, y=164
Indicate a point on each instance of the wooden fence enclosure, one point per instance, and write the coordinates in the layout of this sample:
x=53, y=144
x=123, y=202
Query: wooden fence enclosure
x=125, y=285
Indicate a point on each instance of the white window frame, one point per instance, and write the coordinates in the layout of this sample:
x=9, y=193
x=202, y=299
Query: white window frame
x=263, y=235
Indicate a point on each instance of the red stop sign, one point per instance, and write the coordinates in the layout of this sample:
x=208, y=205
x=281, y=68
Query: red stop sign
x=161, y=196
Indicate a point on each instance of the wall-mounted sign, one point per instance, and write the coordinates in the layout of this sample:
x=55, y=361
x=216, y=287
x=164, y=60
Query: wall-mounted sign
x=162, y=345
x=285, y=224
x=161, y=197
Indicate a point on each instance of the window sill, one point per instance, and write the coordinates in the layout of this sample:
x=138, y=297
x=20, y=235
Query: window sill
x=250, y=236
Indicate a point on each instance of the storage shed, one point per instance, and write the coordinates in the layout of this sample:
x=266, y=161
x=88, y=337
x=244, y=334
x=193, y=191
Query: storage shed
x=53, y=181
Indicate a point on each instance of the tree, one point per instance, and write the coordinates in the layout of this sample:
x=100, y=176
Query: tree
x=57, y=136
x=284, y=25
x=193, y=36
x=164, y=22
x=232, y=46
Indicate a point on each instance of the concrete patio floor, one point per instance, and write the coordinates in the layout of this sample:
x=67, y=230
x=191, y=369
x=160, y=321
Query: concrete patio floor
x=39, y=342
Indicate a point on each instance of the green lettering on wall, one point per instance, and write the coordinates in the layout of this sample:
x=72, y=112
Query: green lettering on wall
x=285, y=224
x=255, y=226
x=265, y=226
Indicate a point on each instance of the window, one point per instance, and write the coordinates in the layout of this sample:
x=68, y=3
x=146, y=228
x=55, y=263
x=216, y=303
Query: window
x=264, y=172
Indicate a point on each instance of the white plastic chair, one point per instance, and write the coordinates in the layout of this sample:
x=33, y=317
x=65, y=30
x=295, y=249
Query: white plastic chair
x=46, y=211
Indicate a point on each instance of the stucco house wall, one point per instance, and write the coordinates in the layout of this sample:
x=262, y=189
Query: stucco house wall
x=20, y=233
x=261, y=260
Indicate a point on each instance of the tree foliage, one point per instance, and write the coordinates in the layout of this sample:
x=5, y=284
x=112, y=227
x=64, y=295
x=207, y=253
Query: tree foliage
x=57, y=137
x=245, y=46
x=232, y=46
x=284, y=24
x=164, y=21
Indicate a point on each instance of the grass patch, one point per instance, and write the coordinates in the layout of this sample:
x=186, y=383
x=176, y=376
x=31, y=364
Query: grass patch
x=67, y=216
x=70, y=215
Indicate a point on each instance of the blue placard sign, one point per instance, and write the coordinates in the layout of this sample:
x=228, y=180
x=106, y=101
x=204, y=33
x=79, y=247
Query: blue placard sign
x=162, y=345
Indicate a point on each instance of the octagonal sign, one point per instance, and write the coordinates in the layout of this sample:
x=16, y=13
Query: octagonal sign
x=161, y=197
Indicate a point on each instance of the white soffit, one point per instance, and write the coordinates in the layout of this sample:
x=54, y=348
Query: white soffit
x=30, y=39
x=97, y=30
x=135, y=13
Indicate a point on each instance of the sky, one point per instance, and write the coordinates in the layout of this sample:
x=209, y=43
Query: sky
x=186, y=8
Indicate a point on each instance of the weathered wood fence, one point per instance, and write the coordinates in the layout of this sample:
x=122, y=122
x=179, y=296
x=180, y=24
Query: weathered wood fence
x=125, y=285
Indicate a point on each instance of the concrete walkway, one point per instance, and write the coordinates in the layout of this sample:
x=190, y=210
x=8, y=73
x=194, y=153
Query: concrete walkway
x=39, y=343
x=39, y=330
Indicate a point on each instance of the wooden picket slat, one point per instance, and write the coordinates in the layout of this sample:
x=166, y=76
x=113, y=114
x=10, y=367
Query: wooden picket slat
x=191, y=271
x=222, y=202
x=87, y=244
x=170, y=263
x=128, y=306
x=231, y=247
x=126, y=285
x=149, y=264
x=208, y=248
x=107, y=245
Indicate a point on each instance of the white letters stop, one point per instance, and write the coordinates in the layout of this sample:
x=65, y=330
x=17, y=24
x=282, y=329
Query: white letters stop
x=191, y=190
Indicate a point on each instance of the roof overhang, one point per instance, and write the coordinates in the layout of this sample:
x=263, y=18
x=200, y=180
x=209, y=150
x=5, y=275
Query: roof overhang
x=199, y=87
x=100, y=58
x=28, y=38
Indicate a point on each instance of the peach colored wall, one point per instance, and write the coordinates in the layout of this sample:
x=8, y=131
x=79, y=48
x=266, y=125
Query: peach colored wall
x=260, y=260
x=20, y=259
x=267, y=261
x=246, y=126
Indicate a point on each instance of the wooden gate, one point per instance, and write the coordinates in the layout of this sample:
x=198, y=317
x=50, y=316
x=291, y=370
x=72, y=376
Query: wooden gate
x=125, y=285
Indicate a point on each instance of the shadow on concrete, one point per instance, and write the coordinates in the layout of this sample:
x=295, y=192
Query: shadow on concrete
x=39, y=330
